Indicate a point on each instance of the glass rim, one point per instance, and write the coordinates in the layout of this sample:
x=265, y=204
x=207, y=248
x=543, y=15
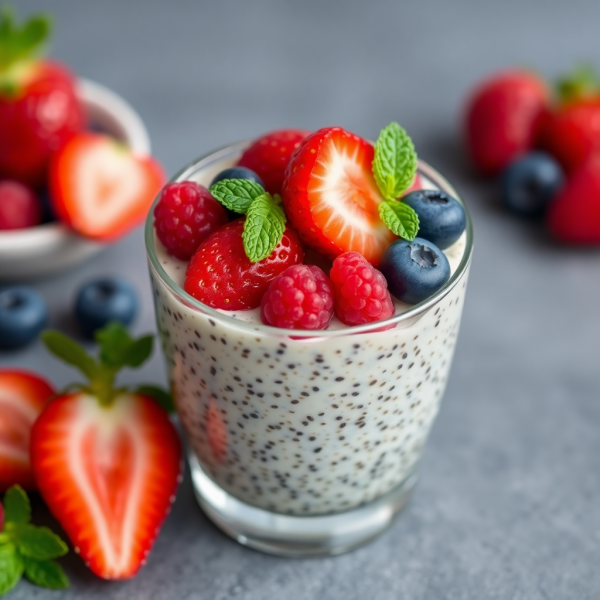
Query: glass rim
x=407, y=316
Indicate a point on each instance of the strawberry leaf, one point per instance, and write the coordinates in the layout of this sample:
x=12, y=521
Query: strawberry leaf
x=17, y=509
x=11, y=568
x=395, y=163
x=113, y=339
x=70, y=352
x=264, y=227
x=46, y=573
x=400, y=218
x=39, y=543
x=237, y=194
x=160, y=396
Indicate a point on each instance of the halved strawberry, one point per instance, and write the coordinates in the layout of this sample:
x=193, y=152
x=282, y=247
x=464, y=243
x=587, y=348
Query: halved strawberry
x=100, y=188
x=22, y=397
x=331, y=197
x=107, y=461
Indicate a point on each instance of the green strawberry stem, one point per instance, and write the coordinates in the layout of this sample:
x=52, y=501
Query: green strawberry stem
x=581, y=83
x=117, y=350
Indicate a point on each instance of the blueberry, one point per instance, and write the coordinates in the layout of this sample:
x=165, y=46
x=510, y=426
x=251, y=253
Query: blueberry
x=414, y=270
x=442, y=219
x=101, y=301
x=238, y=173
x=23, y=315
x=528, y=184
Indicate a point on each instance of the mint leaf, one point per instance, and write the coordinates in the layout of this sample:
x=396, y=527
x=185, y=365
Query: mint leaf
x=395, y=163
x=160, y=396
x=70, y=351
x=11, y=568
x=39, y=543
x=47, y=573
x=237, y=194
x=264, y=227
x=17, y=509
x=400, y=218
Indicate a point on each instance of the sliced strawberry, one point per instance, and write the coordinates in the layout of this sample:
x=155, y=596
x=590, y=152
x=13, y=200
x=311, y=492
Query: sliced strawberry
x=269, y=155
x=22, y=397
x=216, y=432
x=331, y=197
x=222, y=276
x=100, y=188
x=108, y=474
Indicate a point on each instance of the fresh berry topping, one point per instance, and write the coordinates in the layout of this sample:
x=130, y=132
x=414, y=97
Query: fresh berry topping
x=23, y=315
x=442, y=219
x=269, y=155
x=19, y=206
x=221, y=275
x=361, y=294
x=100, y=188
x=300, y=298
x=331, y=197
x=22, y=396
x=185, y=216
x=237, y=173
x=414, y=270
x=105, y=300
x=573, y=217
x=529, y=184
x=502, y=118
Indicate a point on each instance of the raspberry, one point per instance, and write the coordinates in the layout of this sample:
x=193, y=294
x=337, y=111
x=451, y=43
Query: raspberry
x=361, y=294
x=19, y=206
x=300, y=298
x=185, y=216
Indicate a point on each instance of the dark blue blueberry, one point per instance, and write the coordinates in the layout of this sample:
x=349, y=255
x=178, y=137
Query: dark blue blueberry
x=104, y=300
x=23, y=315
x=442, y=219
x=238, y=173
x=528, y=185
x=414, y=270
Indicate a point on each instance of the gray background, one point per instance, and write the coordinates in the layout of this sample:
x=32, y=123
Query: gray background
x=508, y=502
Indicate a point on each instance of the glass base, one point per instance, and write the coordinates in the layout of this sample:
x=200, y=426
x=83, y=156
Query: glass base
x=285, y=535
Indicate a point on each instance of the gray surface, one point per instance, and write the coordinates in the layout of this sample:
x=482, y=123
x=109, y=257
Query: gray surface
x=507, y=506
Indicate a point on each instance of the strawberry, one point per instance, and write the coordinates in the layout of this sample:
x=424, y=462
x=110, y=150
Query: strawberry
x=107, y=461
x=502, y=118
x=570, y=131
x=222, y=276
x=269, y=155
x=100, y=188
x=39, y=108
x=331, y=197
x=22, y=397
x=573, y=217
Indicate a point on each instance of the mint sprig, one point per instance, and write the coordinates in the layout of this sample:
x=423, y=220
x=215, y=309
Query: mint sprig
x=394, y=168
x=265, y=217
x=27, y=549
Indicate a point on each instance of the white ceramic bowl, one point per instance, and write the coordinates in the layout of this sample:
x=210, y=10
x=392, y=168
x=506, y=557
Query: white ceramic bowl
x=52, y=247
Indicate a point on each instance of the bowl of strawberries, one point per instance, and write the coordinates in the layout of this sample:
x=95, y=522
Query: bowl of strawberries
x=75, y=165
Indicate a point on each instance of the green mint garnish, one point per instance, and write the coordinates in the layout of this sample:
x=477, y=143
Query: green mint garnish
x=395, y=163
x=117, y=350
x=236, y=194
x=400, y=218
x=25, y=548
x=264, y=227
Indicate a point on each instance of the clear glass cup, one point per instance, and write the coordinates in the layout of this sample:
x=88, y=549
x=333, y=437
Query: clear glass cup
x=304, y=443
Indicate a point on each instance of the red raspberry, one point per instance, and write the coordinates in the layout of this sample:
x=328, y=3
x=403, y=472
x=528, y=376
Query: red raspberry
x=269, y=155
x=300, y=298
x=185, y=216
x=361, y=294
x=19, y=206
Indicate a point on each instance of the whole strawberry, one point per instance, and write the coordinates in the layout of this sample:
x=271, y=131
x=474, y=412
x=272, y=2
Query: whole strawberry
x=39, y=108
x=571, y=130
x=573, y=217
x=502, y=117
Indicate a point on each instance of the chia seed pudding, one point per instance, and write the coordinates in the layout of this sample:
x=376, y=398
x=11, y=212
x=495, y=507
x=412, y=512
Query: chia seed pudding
x=305, y=425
